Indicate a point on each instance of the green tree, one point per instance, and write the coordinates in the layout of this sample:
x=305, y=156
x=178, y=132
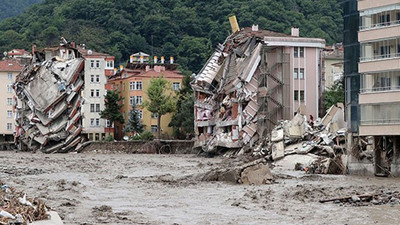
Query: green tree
x=112, y=112
x=134, y=124
x=334, y=94
x=182, y=120
x=161, y=100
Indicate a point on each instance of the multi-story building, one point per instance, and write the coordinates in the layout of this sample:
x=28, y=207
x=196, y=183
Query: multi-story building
x=333, y=64
x=253, y=80
x=9, y=69
x=375, y=87
x=133, y=81
x=98, y=67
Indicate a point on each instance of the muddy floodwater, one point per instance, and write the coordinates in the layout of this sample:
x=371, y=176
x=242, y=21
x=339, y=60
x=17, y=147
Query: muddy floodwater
x=96, y=189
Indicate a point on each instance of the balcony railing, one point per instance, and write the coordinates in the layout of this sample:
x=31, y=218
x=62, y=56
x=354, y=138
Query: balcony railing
x=380, y=122
x=380, y=57
x=380, y=89
x=380, y=25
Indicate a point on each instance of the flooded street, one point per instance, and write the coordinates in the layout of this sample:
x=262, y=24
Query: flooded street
x=93, y=189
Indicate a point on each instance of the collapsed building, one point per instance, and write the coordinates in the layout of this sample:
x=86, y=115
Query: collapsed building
x=48, y=106
x=252, y=81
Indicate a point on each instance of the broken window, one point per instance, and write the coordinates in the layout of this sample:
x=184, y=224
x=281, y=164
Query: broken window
x=97, y=107
x=9, y=126
x=10, y=76
x=91, y=107
x=9, y=113
x=176, y=86
x=91, y=137
x=139, y=85
x=154, y=129
x=9, y=101
x=97, y=137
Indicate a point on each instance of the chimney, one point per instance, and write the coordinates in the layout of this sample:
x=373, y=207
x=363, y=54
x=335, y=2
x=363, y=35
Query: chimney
x=295, y=32
x=121, y=67
x=171, y=60
x=162, y=60
x=155, y=60
x=254, y=28
x=141, y=59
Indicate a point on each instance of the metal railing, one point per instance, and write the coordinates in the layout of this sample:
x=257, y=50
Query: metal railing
x=380, y=25
x=380, y=122
x=380, y=89
x=380, y=57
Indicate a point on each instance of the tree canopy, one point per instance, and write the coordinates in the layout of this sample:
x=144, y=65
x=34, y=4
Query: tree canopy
x=112, y=111
x=186, y=29
x=13, y=8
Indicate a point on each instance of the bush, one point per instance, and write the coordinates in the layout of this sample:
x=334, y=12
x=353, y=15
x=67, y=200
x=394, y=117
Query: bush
x=109, y=138
x=146, y=136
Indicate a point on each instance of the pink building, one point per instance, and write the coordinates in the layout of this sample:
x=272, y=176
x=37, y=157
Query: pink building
x=251, y=82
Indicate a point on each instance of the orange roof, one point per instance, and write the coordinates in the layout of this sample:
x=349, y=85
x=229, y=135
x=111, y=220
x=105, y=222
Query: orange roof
x=10, y=65
x=18, y=52
x=136, y=73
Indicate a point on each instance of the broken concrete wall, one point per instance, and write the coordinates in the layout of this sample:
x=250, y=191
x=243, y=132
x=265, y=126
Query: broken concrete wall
x=48, y=106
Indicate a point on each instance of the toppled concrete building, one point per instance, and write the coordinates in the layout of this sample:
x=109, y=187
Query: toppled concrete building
x=48, y=106
x=253, y=80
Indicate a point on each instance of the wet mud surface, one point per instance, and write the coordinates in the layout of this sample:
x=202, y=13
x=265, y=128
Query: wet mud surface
x=89, y=189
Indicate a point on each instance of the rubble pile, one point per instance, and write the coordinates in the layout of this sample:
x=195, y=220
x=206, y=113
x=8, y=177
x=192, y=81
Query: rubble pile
x=322, y=145
x=48, y=106
x=385, y=197
x=17, y=208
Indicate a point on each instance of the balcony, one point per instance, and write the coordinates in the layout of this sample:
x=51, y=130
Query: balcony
x=380, y=114
x=380, y=82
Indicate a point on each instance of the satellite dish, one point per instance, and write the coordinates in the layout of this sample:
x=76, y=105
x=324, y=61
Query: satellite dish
x=5, y=53
x=89, y=52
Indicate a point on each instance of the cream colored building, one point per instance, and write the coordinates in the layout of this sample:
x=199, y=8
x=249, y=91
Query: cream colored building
x=9, y=69
x=333, y=65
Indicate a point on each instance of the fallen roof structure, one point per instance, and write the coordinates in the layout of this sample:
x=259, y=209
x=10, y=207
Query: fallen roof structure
x=48, y=112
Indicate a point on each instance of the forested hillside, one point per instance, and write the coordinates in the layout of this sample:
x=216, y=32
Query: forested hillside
x=187, y=29
x=10, y=8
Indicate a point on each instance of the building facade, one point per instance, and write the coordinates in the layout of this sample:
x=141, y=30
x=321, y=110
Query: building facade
x=333, y=65
x=9, y=69
x=252, y=81
x=377, y=81
x=98, y=67
x=134, y=80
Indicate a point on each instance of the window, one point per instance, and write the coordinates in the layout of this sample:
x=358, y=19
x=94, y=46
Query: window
x=301, y=51
x=9, y=88
x=97, y=63
x=9, y=126
x=296, y=52
x=9, y=101
x=154, y=115
x=132, y=86
x=140, y=114
x=385, y=51
x=296, y=73
x=154, y=129
x=131, y=100
x=10, y=76
x=110, y=64
x=138, y=100
x=139, y=85
x=296, y=95
x=91, y=63
x=97, y=93
x=9, y=113
x=96, y=137
x=108, y=123
x=301, y=74
x=92, y=93
x=97, y=107
x=176, y=86
x=91, y=107
x=92, y=122
x=97, y=78
x=97, y=122
x=92, y=78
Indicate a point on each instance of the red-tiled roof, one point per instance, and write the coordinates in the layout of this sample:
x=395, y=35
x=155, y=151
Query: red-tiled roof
x=18, y=52
x=10, y=65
